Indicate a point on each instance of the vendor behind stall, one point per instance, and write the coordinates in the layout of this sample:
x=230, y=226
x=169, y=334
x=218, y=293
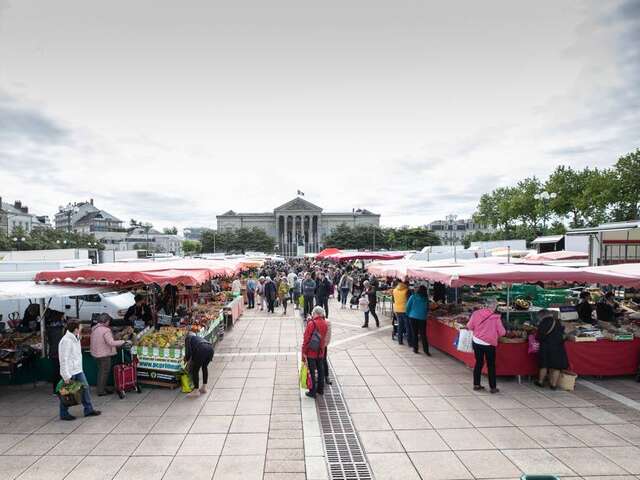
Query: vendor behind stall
x=607, y=309
x=584, y=308
x=139, y=311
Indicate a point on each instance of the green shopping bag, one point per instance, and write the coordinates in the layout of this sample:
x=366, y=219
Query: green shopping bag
x=186, y=383
x=70, y=393
x=304, y=374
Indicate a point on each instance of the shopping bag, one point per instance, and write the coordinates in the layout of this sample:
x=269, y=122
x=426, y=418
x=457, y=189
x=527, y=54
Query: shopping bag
x=567, y=381
x=534, y=345
x=304, y=374
x=70, y=393
x=465, y=341
x=185, y=383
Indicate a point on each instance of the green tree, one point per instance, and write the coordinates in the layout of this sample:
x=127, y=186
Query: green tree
x=170, y=231
x=191, y=247
x=240, y=241
x=374, y=237
x=626, y=196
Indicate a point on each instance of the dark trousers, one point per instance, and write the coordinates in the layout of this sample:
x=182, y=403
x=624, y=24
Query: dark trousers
x=104, y=368
x=201, y=360
x=316, y=370
x=55, y=374
x=271, y=304
x=372, y=309
x=251, y=299
x=285, y=300
x=326, y=363
x=324, y=303
x=308, y=305
x=483, y=352
x=419, y=329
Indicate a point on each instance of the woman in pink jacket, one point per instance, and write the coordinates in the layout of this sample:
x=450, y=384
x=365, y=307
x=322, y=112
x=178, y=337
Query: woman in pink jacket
x=103, y=347
x=487, y=328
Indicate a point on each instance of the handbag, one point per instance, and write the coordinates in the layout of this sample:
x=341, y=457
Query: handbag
x=534, y=345
x=465, y=341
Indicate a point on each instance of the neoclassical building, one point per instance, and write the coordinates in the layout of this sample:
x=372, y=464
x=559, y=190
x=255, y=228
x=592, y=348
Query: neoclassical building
x=298, y=226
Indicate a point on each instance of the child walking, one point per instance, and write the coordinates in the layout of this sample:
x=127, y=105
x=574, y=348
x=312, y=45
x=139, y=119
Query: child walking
x=363, y=303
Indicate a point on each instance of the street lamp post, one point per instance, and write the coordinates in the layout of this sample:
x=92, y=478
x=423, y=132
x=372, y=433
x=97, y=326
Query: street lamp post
x=545, y=197
x=18, y=241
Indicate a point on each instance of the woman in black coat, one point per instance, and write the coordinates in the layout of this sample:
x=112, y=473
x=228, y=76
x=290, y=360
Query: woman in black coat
x=552, y=357
x=198, y=353
x=270, y=294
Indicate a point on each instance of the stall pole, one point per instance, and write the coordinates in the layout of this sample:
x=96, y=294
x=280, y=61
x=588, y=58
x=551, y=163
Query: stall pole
x=77, y=308
x=42, y=332
x=508, y=253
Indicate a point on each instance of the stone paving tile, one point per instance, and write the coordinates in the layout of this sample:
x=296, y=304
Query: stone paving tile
x=508, y=437
x=439, y=466
x=488, y=464
x=407, y=420
x=551, y=436
x=202, y=444
x=421, y=440
x=51, y=467
x=97, y=468
x=248, y=467
x=159, y=445
x=538, y=462
x=35, y=445
x=393, y=466
x=182, y=468
x=587, y=461
x=595, y=436
x=144, y=468
x=118, y=444
x=465, y=439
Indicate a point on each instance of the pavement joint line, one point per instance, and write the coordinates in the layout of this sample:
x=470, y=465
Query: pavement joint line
x=345, y=324
x=612, y=395
x=255, y=354
x=361, y=335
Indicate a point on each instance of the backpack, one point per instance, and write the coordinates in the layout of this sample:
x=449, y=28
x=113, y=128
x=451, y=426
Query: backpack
x=315, y=344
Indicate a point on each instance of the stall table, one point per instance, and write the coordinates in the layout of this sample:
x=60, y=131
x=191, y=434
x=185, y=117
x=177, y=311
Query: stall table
x=233, y=310
x=600, y=358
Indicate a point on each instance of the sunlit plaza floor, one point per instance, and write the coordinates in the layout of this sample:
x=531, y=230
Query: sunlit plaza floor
x=416, y=417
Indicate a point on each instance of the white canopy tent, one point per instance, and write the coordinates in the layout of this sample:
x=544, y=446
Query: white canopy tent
x=42, y=292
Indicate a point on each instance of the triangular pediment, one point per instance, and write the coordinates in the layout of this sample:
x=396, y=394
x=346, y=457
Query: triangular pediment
x=298, y=204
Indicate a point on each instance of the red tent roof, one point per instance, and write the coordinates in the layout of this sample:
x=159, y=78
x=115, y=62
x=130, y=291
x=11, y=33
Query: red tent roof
x=328, y=251
x=185, y=272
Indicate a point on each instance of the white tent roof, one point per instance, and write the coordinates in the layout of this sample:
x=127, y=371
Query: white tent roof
x=18, y=290
x=548, y=239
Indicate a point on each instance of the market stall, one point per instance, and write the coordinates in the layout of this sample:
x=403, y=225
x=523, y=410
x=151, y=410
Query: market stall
x=196, y=305
x=604, y=349
x=23, y=345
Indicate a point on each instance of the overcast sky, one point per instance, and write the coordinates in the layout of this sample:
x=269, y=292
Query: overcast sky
x=173, y=112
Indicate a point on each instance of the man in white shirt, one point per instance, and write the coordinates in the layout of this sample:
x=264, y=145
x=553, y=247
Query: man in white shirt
x=70, y=355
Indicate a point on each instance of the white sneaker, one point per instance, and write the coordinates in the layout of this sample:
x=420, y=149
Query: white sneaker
x=193, y=394
x=203, y=390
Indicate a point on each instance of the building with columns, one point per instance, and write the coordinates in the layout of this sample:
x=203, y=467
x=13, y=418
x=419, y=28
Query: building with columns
x=297, y=223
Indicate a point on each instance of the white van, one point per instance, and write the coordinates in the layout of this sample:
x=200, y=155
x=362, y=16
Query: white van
x=113, y=303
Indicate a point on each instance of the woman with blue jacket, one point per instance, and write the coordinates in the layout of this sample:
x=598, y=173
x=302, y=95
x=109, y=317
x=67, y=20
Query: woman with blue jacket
x=417, y=311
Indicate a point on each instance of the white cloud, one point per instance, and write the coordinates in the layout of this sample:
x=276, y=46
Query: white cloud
x=175, y=113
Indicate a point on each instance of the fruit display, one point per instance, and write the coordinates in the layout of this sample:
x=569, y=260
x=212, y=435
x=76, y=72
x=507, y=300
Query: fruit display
x=166, y=337
x=11, y=341
x=126, y=333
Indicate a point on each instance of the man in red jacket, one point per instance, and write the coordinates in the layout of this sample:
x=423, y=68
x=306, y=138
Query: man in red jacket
x=313, y=350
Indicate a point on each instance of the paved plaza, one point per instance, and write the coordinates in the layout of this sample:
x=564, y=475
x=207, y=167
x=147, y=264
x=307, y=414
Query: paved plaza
x=416, y=417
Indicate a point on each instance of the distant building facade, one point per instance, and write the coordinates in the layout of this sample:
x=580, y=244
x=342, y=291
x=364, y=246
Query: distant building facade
x=194, y=233
x=84, y=217
x=296, y=223
x=453, y=231
x=16, y=215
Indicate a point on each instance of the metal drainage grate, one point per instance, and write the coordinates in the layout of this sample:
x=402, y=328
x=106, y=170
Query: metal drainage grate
x=344, y=453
